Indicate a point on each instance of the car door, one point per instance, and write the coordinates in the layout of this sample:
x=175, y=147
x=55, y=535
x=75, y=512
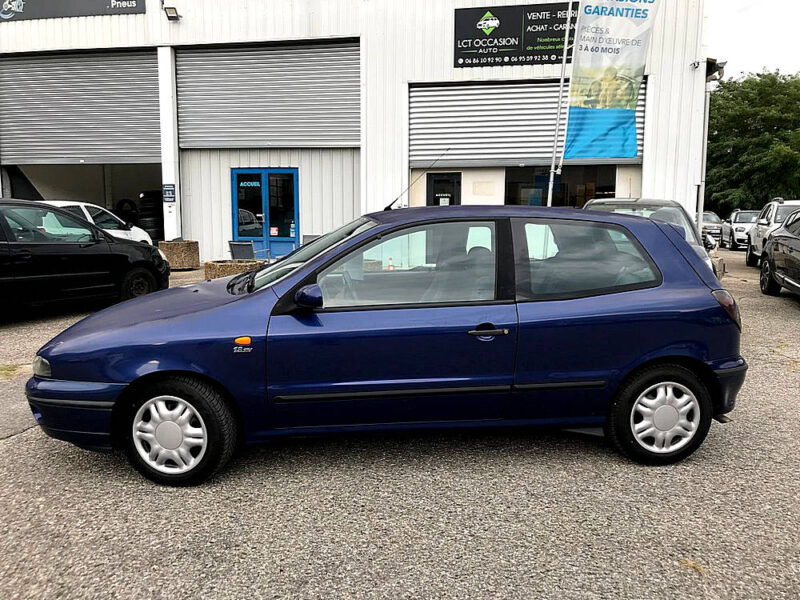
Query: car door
x=55, y=256
x=6, y=271
x=762, y=228
x=792, y=250
x=418, y=325
x=580, y=287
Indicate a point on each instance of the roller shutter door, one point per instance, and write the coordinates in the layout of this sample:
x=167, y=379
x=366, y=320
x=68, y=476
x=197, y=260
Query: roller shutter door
x=89, y=108
x=261, y=97
x=489, y=125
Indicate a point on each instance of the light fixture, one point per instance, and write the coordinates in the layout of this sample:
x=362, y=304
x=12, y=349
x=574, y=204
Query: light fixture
x=171, y=12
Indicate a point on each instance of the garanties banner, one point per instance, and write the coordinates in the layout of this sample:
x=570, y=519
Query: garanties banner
x=608, y=63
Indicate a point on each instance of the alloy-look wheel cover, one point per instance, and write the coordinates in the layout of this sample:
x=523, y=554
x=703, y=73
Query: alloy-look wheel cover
x=665, y=417
x=169, y=434
x=766, y=275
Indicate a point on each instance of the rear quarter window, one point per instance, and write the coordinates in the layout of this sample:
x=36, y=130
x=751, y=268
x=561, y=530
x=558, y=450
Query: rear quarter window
x=560, y=260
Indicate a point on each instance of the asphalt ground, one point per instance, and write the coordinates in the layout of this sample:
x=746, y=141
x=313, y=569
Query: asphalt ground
x=509, y=514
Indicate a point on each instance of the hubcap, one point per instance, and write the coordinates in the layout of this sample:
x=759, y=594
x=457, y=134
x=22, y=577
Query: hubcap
x=169, y=434
x=765, y=274
x=139, y=287
x=665, y=417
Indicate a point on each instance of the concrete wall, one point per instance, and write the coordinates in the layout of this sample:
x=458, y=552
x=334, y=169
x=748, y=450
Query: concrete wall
x=478, y=186
x=328, y=182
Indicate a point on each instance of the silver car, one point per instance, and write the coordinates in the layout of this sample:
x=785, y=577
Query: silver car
x=771, y=218
x=736, y=228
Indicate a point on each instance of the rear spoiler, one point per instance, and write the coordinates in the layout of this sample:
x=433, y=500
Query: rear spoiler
x=677, y=236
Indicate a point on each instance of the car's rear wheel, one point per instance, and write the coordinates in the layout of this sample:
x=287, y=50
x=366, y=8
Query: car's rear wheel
x=752, y=258
x=137, y=282
x=766, y=281
x=180, y=432
x=660, y=416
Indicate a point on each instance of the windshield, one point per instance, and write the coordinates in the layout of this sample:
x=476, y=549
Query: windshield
x=710, y=217
x=784, y=211
x=749, y=216
x=667, y=214
x=291, y=262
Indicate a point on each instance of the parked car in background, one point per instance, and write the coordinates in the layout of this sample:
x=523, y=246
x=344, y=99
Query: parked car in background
x=465, y=316
x=780, y=263
x=736, y=228
x=712, y=225
x=667, y=211
x=771, y=217
x=104, y=219
x=48, y=254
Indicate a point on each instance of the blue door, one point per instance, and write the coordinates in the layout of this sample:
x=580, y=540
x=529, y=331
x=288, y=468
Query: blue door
x=265, y=209
x=417, y=326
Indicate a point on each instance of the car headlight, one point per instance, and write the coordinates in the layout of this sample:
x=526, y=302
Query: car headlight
x=740, y=229
x=41, y=367
x=162, y=255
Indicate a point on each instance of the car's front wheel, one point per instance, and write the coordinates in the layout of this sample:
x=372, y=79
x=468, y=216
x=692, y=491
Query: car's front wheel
x=752, y=258
x=180, y=432
x=660, y=416
x=766, y=281
x=137, y=282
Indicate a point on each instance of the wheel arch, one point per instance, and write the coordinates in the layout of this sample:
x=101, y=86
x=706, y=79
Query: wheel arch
x=696, y=366
x=125, y=401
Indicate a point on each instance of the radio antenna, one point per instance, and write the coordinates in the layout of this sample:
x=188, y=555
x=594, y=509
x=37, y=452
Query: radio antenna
x=417, y=178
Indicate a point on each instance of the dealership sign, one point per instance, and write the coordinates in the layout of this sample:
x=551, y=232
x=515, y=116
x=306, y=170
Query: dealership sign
x=510, y=35
x=20, y=10
x=607, y=73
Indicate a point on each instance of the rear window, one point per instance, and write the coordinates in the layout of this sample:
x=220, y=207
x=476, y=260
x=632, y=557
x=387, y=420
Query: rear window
x=559, y=260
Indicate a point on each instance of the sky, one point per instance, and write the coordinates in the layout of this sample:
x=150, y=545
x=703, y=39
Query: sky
x=753, y=34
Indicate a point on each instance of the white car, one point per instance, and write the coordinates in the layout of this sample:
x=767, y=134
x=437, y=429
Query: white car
x=771, y=218
x=736, y=228
x=104, y=219
x=488, y=23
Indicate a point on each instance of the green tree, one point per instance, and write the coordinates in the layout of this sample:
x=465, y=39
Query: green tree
x=753, y=142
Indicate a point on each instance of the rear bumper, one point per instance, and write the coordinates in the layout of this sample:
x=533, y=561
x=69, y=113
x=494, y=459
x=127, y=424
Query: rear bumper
x=74, y=411
x=730, y=381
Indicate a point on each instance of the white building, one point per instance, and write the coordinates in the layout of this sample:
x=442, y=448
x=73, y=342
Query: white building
x=247, y=107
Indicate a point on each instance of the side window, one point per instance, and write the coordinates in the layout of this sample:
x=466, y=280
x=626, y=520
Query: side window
x=764, y=213
x=429, y=264
x=75, y=210
x=794, y=226
x=43, y=225
x=559, y=260
x=104, y=219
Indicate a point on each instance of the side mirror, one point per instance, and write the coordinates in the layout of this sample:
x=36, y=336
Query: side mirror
x=709, y=242
x=128, y=225
x=309, y=296
x=763, y=222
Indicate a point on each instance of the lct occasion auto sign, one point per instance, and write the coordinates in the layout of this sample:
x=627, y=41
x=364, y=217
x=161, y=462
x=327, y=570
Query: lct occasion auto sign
x=607, y=72
x=511, y=35
x=21, y=10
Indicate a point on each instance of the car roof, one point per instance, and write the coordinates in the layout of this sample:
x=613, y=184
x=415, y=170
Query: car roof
x=634, y=202
x=429, y=213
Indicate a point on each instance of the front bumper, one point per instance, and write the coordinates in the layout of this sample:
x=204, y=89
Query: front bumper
x=74, y=411
x=730, y=380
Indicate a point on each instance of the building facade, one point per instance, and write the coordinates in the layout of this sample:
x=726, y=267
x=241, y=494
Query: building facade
x=277, y=120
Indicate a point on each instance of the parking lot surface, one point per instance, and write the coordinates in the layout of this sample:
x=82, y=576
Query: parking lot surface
x=520, y=514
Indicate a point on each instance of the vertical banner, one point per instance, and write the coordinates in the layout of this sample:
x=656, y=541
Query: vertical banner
x=608, y=63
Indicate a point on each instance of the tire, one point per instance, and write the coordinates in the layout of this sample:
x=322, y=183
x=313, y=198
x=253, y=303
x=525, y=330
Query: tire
x=752, y=258
x=689, y=394
x=137, y=282
x=208, y=434
x=766, y=281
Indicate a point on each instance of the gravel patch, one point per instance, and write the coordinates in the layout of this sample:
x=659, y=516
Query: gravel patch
x=509, y=514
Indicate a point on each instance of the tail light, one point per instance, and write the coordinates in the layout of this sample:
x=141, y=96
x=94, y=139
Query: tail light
x=727, y=301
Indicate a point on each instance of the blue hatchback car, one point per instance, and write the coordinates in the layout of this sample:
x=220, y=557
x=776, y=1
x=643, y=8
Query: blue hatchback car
x=414, y=318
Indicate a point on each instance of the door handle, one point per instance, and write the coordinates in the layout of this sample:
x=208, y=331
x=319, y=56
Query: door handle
x=487, y=332
x=23, y=254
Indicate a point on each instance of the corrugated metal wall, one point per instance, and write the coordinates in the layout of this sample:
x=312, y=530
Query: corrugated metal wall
x=80, y=108
x=329, y=182
x=269, y=97
x=489, y=125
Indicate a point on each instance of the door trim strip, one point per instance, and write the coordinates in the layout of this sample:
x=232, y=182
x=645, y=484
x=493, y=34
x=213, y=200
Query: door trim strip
x=334, y=396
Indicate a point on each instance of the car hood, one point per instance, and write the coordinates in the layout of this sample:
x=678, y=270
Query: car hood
x=150, y=311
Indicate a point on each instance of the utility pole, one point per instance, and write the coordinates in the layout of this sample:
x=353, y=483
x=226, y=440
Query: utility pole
x=553, y=169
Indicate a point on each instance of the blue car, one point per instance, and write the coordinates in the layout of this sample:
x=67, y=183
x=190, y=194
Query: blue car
x=405, y=319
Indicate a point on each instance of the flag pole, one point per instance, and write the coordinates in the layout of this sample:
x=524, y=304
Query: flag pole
x=553, y=169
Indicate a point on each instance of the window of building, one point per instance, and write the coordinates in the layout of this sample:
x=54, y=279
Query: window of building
x=527, y=186
x=443, y=189
x=429, y=264
x=566, y=259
